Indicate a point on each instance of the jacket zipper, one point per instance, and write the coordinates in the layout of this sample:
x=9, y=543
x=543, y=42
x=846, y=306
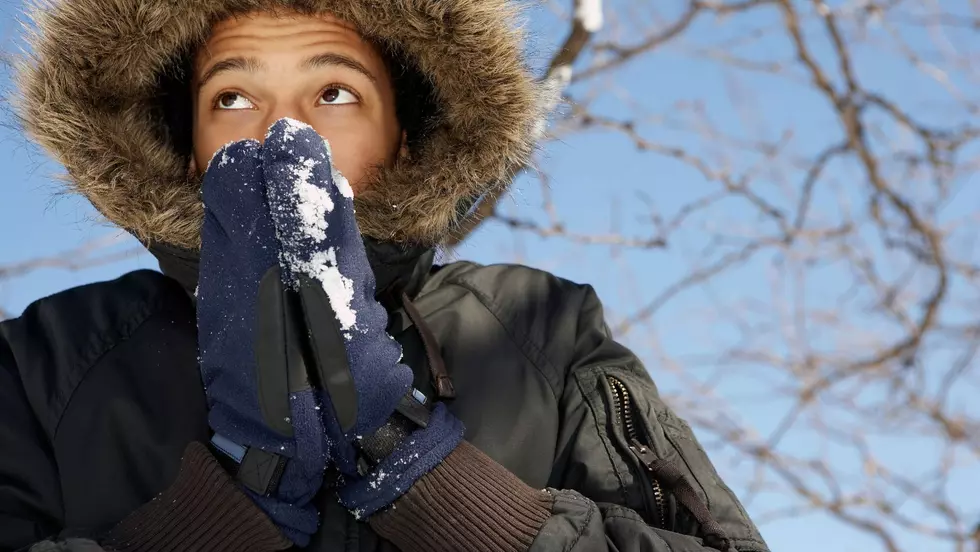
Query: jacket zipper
x=623, y=405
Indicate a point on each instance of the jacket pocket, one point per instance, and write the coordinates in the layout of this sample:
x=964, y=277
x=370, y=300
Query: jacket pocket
x=633, y=442
x=644, y=431
x=607, y=457
x=671, y=438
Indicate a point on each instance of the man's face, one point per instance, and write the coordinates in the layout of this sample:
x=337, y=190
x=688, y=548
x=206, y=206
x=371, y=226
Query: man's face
x=258, y=69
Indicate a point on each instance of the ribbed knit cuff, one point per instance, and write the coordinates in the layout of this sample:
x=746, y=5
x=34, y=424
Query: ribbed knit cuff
x=203, y=510
x=468, y=502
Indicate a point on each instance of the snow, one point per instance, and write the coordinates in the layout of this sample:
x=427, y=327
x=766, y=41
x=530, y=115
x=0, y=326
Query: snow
x=378, y=479
x=562, y=76
x=313, y=202
x=554, y=86
x=292, y=127
x=340, y=289
x=343, y=186
x=314, y=205
x=225, y=158
x=589, y=14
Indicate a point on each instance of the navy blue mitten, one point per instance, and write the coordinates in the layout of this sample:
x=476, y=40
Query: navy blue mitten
x=265, y=414
x=364, y=384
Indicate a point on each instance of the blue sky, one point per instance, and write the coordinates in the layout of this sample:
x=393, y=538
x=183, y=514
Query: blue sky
x=598, y=181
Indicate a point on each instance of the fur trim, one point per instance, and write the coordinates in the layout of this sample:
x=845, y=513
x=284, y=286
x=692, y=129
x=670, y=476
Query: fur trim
x=96, y=64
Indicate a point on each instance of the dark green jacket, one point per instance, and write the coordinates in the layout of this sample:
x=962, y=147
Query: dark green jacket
x=100, y=396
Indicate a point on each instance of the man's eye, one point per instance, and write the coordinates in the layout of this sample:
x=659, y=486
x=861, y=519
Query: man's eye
x=337, y=96
x=233, y=101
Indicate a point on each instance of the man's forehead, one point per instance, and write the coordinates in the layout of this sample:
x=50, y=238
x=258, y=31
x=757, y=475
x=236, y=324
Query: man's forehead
x=241, y=43
x=266, y=30
x=281, y=18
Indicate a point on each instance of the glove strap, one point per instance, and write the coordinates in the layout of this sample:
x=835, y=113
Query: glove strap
x=411, y=414
x=256, y=469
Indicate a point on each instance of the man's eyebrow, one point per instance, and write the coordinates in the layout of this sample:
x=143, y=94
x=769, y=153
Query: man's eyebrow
x=331, y=59
x=249, y=64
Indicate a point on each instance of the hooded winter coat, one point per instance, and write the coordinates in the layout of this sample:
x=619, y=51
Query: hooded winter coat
x=102, y=411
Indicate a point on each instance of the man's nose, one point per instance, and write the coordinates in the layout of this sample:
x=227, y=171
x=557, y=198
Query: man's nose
x=292, y=110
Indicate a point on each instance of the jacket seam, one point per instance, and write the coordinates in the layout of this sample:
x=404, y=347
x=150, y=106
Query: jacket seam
x=674, y=442
x=489, y=305
x=673, y=438
x=593, y=508
x=627, y=518
x=126, y=330
x=750, y=541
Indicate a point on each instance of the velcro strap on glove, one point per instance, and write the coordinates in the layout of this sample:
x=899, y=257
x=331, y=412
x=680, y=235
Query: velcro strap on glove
x=411, y=414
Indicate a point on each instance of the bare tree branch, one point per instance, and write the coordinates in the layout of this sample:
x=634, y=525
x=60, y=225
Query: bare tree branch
x=890, y=350
x=820, y=254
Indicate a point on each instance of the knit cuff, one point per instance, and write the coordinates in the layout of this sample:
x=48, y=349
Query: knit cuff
x=203, y=510
x=468, y=502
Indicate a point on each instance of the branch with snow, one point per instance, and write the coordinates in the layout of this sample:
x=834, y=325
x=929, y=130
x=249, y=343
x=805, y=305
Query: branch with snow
x=587, y=20
x=588, y=13
x=553, y=88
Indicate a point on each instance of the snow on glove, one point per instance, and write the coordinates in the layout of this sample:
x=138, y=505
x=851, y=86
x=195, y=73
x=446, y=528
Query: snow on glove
x=265, y=415
x=367, y=392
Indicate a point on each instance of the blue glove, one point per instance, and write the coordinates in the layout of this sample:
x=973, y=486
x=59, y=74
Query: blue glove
x=381, y=438
x=265, y=415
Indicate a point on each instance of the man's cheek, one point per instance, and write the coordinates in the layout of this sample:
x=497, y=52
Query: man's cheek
x=352, y=159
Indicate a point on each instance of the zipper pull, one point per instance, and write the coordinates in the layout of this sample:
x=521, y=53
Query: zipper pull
x=643, y=453
x=661, y=468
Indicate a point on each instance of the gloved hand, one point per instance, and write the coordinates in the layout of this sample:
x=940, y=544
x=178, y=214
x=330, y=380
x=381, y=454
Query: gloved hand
x=265, y=415
x=381, y=438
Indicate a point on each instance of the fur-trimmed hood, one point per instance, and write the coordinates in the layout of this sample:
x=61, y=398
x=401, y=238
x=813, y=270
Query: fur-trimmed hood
x=96, y=67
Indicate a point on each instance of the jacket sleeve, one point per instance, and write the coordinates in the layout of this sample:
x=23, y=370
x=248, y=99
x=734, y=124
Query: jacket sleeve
x=662, y=495
x=203, y=505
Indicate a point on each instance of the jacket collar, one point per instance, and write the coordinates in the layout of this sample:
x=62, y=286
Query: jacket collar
x=397, y=268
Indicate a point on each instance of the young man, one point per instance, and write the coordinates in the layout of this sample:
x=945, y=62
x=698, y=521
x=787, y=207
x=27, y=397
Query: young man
x=112, y=440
